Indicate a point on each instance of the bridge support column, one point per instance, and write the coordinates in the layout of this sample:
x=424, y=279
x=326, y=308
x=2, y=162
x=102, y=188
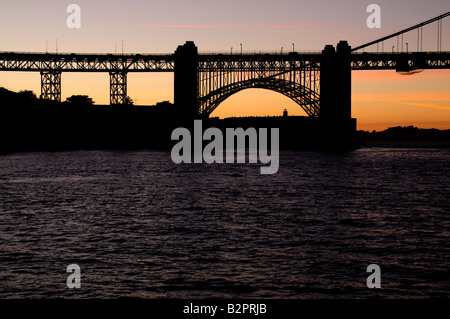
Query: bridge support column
x=51, y=85
x=118, y=88
x=186, y=81
x=336, y=82
x=337, y=128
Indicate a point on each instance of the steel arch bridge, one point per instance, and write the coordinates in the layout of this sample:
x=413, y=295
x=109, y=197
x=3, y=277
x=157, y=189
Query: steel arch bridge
x=320, y=83
x=297, y=77
x=302, y=95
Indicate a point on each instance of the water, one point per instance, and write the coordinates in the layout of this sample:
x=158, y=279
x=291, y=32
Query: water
x=140, y=226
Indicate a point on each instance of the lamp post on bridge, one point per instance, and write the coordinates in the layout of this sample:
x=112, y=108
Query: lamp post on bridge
x=293, y=47
x=281, y=50
x=56, y=46
x=231, y=50
x=393, y=49
x=406, y=47
x=241, y=48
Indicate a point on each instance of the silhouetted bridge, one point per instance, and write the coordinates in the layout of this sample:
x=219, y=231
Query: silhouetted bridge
x=320, y=83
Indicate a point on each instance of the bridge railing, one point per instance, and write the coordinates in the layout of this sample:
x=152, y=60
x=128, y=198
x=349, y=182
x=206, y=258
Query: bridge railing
x=160, y=54
x=12, y=53
x=360, y=53
x=269, y=52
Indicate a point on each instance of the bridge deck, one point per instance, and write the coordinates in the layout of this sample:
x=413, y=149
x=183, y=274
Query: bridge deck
x=65, y=62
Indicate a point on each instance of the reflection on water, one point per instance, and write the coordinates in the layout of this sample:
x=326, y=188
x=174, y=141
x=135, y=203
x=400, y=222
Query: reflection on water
x=140, y=226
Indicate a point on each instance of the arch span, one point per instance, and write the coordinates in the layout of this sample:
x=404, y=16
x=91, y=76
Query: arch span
x=307, y=99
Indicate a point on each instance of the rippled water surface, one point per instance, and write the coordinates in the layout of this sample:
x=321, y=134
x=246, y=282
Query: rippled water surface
x=140, y=226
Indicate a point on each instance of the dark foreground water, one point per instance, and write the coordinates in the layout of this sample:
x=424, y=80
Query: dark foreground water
x=140, y=226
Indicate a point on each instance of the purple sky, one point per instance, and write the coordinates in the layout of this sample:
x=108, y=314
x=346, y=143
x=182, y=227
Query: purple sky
x=380, y=99
x=215, y=25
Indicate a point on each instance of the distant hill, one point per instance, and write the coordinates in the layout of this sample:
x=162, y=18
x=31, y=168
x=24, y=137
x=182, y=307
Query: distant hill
x=7, y=95
x=32, y=124
x=407, y=136
x=22, y=98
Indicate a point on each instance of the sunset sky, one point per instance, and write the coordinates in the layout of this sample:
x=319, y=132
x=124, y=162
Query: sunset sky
x=381, y=99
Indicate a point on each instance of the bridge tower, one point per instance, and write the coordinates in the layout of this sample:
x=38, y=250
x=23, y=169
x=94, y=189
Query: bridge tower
x=186, y=81
x=337, y=128
x=51, y=85
x=336, y=82
x=118, y=88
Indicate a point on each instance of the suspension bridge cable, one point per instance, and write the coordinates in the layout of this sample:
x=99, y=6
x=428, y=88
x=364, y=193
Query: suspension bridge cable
x=420, y=25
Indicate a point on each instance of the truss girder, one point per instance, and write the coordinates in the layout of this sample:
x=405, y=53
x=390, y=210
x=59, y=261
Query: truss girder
x=51, y=85
x=118, y=88
x=297, y=79
x=165, y=63
x=85, y=63
x=307, y=99
x=389, y=61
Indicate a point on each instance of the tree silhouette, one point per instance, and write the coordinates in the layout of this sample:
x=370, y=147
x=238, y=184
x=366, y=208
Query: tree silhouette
x=80, y=99
x=129, y=101
x=27, y=95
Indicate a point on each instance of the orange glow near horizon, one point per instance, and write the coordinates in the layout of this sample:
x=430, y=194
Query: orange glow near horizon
x=426, y=105
x=380, y=99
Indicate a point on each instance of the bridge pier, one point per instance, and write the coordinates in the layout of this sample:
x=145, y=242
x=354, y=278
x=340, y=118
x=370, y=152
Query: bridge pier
x=336, y=82
x=118, y=88
x=51, y=85
x=186, y=81
x=337, y=128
